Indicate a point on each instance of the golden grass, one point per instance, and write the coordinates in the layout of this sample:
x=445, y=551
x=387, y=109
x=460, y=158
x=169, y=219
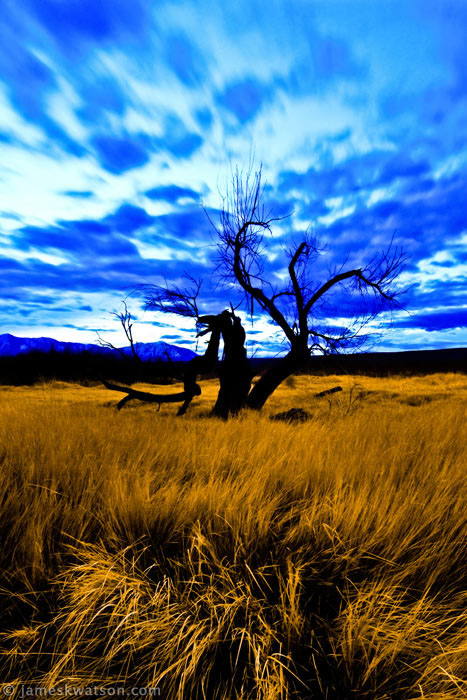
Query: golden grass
x=239, y=559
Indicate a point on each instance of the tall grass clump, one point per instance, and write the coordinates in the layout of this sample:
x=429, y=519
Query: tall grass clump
x=241, y=559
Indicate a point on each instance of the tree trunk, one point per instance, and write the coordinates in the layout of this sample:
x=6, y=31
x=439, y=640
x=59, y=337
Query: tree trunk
x=270, y=380
x=234, y=371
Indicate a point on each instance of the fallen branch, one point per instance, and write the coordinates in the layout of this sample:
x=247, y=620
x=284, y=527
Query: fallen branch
x=327, y=391
x=186, y=396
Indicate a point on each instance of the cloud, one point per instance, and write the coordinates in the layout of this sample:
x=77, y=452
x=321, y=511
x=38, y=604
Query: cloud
x=28, y=77
x=114, y=275
x=117, y=155
x=84, y=21
x=244, y=99
x=177, y=139
x=402, y=165
x=7, y=138
x=83, y=240
x=322, y=62
x=101, y=95
x=420, y=223
x=204, y=118
x=29, y=82
x=79, y=194
x=129, y=218
x=366, y=172
x=319, y=183
x=171, y=193
x=190, y=224
x=449, y=318
x=184, y=59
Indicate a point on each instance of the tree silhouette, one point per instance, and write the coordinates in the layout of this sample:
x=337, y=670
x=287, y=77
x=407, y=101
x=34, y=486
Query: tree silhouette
x=126, y=321
x=297, y=309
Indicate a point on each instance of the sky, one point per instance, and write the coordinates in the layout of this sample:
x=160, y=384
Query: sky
x=121, y=122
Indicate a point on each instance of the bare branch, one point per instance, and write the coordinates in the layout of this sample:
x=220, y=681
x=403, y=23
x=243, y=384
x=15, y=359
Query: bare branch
x=173, y=299
x=243, y=222
x=327, y=286
x=378, y=276
x=127, y=325
x=107, y=344
x=283, y=293
x=329, y=342
x=126, y=322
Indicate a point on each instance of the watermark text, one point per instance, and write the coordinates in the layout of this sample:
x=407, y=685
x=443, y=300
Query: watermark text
x=68, y=691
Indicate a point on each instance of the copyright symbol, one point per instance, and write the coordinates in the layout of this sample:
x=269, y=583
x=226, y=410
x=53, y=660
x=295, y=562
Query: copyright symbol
x=8, y=689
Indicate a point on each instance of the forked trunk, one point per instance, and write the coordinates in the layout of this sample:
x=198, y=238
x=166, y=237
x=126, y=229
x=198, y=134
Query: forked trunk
x=235, y=374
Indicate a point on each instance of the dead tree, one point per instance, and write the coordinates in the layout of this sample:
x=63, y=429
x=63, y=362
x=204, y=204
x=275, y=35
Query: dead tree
x=296, y=309
x=234, y=374
x=126, y=321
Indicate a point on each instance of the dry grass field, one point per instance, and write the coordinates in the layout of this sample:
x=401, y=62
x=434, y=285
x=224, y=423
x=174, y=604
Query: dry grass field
x=246, y=559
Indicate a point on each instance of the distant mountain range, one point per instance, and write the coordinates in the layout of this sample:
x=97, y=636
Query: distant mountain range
x=378, y=363
x=10, y=346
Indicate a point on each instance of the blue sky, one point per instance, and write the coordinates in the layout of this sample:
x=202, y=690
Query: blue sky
x=121, y=119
